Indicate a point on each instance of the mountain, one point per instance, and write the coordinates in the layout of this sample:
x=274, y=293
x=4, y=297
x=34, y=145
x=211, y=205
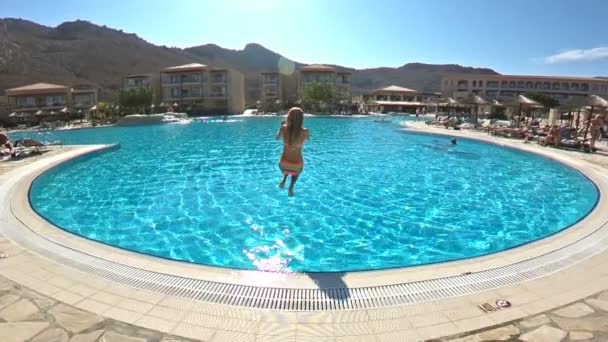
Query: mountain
x=82, y=52
x=77, y=52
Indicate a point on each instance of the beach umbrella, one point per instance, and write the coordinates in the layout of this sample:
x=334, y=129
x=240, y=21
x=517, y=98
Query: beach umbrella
x=450, y=103
x=162, y=104
x=593, y=101
x=523, y=102
x=12, y=114
x=93, y=108
x=39, y=112
x=64, y=110
x=175, y=104
x=475, y=101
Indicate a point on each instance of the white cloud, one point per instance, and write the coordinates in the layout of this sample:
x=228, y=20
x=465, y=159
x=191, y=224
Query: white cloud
x=578, y=55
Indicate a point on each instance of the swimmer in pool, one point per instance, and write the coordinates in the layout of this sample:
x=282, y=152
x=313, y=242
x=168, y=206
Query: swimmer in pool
x=294, y=135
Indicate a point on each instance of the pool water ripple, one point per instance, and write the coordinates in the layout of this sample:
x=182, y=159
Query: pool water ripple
x=371, y=196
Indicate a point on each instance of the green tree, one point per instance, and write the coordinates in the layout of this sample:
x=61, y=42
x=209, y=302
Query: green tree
x=547, y=101
x=319, y=95
x=136, y=99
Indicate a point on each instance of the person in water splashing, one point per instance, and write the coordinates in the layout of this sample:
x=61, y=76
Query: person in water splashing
x=294, y=135
x=453, y=141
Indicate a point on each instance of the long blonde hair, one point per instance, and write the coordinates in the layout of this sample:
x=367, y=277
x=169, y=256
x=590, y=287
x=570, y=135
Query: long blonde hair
x=295, y=121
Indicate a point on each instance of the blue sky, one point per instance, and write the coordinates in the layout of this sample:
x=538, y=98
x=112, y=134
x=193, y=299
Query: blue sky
x=559, y=37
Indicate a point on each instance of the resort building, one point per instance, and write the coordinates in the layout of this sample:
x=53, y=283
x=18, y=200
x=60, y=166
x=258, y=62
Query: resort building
x=318, y=73
x=39, y=101
x=49, y=102
x=277, y=91
x=393, y=99
x=503, y=87
x=84, y=99
x=198, y=88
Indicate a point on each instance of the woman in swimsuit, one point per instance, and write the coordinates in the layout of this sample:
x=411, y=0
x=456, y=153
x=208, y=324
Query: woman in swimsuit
x=294, y=136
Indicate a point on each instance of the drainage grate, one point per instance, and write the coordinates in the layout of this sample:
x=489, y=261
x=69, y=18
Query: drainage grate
x=305, y=299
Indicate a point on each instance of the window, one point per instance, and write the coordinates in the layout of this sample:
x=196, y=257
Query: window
x=595, y=88
x=83, y=100
x=537, y=85
x=395, y=98
x=585, y=87
x=565, y=86
x=345, y=79
x=474, y=83
x=604, y=88
x=512, y=84
x=529, y=85
x=381, y=98
x=218, y=77
x=492, y=84
x=574, y=86
x=492, y=93
x=270, y=91
x=521, y=84
x=196, y=91
x=480, y=83
x=546, y=85
x=175, y=93
x=218, y=91
x=55, y=100
x=26, y=101
x=555, y=86
x=504, y=84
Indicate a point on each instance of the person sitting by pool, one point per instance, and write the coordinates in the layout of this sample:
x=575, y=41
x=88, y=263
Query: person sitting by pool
x=552, y=137
x=6, y=142
x=294, y=135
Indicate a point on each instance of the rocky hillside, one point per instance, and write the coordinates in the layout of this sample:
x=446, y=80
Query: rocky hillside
x=82, y=52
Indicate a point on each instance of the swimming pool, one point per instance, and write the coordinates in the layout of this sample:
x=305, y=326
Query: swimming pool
x=371, y=196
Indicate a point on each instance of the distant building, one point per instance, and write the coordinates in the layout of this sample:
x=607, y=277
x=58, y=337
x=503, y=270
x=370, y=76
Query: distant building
x=84, y=99
x=319, y=73
x=36, y=102
x=198, y=88
x=143, y=80
x=393, y=99
x=504, y=87
x=49, y=102
x=277, y=91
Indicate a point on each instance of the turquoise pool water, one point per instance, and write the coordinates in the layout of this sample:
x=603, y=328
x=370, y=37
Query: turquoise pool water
x=371, y=195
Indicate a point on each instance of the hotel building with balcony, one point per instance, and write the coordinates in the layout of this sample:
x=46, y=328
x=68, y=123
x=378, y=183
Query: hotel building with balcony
x=319, y=73
x=137, y=81
x=40, y=101
x=198, y=88
x=277, y=91
x=504, y=87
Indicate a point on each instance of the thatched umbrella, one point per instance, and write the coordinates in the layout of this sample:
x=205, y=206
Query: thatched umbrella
x=450, y=103
x=475, y=101
x=523, y=102
x=593, y=101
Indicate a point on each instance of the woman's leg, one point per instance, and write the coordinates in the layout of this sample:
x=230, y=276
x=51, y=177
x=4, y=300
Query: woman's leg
x=291, y=185
x=282, y=184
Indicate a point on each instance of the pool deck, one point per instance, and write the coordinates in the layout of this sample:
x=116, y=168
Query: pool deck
x=42, y=297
